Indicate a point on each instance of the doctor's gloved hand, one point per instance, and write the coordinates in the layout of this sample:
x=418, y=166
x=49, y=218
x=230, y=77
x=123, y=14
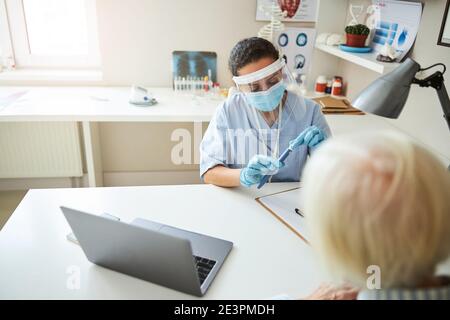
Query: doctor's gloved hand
x=311, y=137
x=258, y=167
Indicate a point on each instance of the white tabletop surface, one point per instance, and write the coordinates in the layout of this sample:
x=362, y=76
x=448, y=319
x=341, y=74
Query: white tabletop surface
x=103, y=104
x=267, y=258
x=99, y=104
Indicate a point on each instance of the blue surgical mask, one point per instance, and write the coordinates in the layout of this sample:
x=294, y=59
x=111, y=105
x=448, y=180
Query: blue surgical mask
x=268, y=100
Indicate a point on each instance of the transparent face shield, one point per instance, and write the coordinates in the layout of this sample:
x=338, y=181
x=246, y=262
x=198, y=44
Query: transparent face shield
x=269, y=100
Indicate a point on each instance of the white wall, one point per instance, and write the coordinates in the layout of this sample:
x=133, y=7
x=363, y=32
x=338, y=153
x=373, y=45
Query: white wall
x=422, y=117
x=137, y=38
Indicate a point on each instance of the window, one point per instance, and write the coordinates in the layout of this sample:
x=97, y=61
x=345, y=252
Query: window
x=53, y=33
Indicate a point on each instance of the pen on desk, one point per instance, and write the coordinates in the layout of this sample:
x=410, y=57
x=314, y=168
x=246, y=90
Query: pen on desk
x=297, y=211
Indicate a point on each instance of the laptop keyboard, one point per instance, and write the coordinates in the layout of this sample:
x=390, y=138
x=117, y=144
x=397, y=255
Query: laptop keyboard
x=204, y=267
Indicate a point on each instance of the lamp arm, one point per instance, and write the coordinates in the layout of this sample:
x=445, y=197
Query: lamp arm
x=436, y=81
x=445, y=102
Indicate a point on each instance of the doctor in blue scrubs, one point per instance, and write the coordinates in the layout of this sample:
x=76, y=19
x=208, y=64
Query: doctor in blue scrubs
x=260, y=119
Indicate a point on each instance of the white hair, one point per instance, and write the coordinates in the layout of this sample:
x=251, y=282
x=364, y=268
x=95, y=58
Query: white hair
x=378, y=199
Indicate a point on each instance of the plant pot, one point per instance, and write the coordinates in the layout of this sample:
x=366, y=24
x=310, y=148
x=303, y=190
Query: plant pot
x=356, y=40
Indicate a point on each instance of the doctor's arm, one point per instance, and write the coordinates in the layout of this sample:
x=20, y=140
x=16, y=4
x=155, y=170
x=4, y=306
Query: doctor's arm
x=222, y=176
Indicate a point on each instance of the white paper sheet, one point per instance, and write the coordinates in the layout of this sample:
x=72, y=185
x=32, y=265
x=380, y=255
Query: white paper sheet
x=7, y=100
x=283, y=205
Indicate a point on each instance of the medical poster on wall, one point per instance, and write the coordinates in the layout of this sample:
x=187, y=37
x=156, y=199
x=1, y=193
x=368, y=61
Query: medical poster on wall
x=397, y=24
x=296, y=45
x=296, y=10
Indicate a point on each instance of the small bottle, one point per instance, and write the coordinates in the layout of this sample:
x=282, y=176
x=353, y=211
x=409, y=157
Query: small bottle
x=321, y=85
x=209, y=81
x=210, y=84
x=206, y=84
x=337, y=87
x=329, y=86
x=188, y=83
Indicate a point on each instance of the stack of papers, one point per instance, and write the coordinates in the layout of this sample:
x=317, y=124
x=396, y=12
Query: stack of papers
x=331, y=105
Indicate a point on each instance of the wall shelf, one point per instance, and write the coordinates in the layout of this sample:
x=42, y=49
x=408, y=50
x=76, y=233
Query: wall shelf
x=366, y=60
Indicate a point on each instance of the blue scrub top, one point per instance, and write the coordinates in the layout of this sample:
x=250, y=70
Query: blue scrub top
x=234, y=135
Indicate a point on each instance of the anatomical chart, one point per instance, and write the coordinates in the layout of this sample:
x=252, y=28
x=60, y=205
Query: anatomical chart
x=296, y=45
x=296, y=10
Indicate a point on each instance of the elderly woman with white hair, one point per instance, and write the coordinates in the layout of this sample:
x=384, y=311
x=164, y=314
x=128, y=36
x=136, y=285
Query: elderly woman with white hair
x=378, y=205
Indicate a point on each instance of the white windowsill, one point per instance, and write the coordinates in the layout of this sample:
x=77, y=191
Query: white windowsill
x=49, y=76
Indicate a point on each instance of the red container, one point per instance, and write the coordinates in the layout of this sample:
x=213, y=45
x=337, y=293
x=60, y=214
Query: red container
x=356, y=40
x=337, y=88
x=321, y=84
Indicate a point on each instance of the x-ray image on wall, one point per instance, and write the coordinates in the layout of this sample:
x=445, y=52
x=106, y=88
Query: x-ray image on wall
x=194, y=64
x=296, y=45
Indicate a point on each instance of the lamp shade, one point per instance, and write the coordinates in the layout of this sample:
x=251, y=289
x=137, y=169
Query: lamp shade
x=387, y=95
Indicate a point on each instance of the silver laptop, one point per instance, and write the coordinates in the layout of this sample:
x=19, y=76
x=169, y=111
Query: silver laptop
x=172, y=257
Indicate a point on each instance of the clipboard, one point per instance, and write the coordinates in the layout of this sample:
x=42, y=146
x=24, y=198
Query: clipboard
x=282, y=205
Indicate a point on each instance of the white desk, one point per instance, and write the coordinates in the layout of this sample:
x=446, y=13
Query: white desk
x=97, y=104
x=90, y=105
x=267, y=258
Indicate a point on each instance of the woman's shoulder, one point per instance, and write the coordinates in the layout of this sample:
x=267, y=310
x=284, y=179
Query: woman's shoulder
x=233, y=104
x=302, y=107
x=228, y=110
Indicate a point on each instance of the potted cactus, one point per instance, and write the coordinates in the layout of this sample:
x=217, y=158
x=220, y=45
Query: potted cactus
x=357, y=35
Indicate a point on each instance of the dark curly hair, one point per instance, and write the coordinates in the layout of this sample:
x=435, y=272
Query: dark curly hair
x=250, y=50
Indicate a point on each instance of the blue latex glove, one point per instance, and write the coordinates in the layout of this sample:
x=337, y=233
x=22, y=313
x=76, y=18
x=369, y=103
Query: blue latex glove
x=257, y=168
x=311, y=136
